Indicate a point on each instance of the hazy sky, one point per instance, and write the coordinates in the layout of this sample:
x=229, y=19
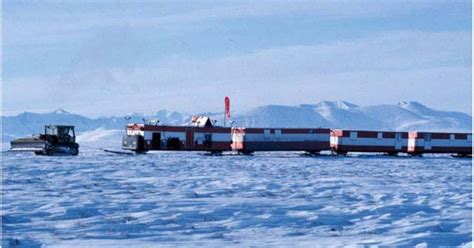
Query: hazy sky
x=114, y=57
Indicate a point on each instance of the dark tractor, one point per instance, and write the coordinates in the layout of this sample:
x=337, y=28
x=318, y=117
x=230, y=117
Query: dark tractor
x=56, y=140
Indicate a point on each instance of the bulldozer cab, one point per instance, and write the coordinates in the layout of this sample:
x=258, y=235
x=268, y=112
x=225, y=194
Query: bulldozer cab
x=65, y=134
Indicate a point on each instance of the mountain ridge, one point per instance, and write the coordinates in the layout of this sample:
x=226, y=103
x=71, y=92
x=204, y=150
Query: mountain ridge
x=403, y=116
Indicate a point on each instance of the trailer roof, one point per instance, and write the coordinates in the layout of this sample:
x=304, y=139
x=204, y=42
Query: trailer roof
x=59, y=125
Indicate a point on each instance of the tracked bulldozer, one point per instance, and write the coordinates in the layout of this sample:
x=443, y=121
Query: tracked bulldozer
x=56, y=140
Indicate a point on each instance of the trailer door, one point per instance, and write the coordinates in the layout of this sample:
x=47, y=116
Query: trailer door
x=398, y=141
x=427, y=141
x=189, y=138
x=156, y=141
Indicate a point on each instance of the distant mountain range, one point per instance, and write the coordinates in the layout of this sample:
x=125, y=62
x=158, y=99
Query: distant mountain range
x=401, y=117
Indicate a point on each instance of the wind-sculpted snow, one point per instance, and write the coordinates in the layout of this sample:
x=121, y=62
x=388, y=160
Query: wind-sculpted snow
x=270, y=199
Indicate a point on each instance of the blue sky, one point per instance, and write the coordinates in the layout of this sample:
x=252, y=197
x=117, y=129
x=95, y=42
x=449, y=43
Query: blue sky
x=116, y=57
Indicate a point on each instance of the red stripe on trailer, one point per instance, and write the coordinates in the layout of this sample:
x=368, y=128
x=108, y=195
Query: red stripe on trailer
x=285, y=130
x=166, y=128
x=304, y=130
x=323, y=130
x=212, y=130
x=346, y=133
x=441, y=136
x=392, y=135
x=366, y=134
x=184, y=128
x=445, y=136
x=461, y=136
x=252, y=130
x=388, y=135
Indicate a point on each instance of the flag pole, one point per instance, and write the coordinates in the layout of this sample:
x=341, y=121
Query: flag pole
x=227, y=110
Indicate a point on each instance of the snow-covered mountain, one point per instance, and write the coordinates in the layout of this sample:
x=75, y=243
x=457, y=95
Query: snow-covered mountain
x=26, y=124
x=281, y=116
x=346, y=115
x=435, y=119
x=401, y=116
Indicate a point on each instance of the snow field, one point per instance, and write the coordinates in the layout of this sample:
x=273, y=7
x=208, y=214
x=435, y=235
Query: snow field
x=273, y=199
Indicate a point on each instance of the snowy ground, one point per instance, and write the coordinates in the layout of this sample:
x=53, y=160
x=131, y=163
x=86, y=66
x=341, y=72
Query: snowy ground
x=271, y=199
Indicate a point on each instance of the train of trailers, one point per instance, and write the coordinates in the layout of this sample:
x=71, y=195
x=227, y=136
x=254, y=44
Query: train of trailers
x=202, y=135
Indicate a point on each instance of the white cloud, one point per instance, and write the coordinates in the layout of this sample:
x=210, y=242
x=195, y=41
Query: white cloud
x=59, y=22
x=432, y=67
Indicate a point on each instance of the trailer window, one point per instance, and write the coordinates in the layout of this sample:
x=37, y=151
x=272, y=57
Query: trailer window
x=379, y=135
x=451, y=136
x=71, y=132
x=266, y=133
x=469, y=137
x=353, y=135
x=278, y=133
x=51, y=130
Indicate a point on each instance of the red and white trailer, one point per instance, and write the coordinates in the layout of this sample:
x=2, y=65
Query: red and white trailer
x=429, y=142
x=199, y=137
x=202, y=135
x=414, y=143
x=249, y=140
x=344, y=141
